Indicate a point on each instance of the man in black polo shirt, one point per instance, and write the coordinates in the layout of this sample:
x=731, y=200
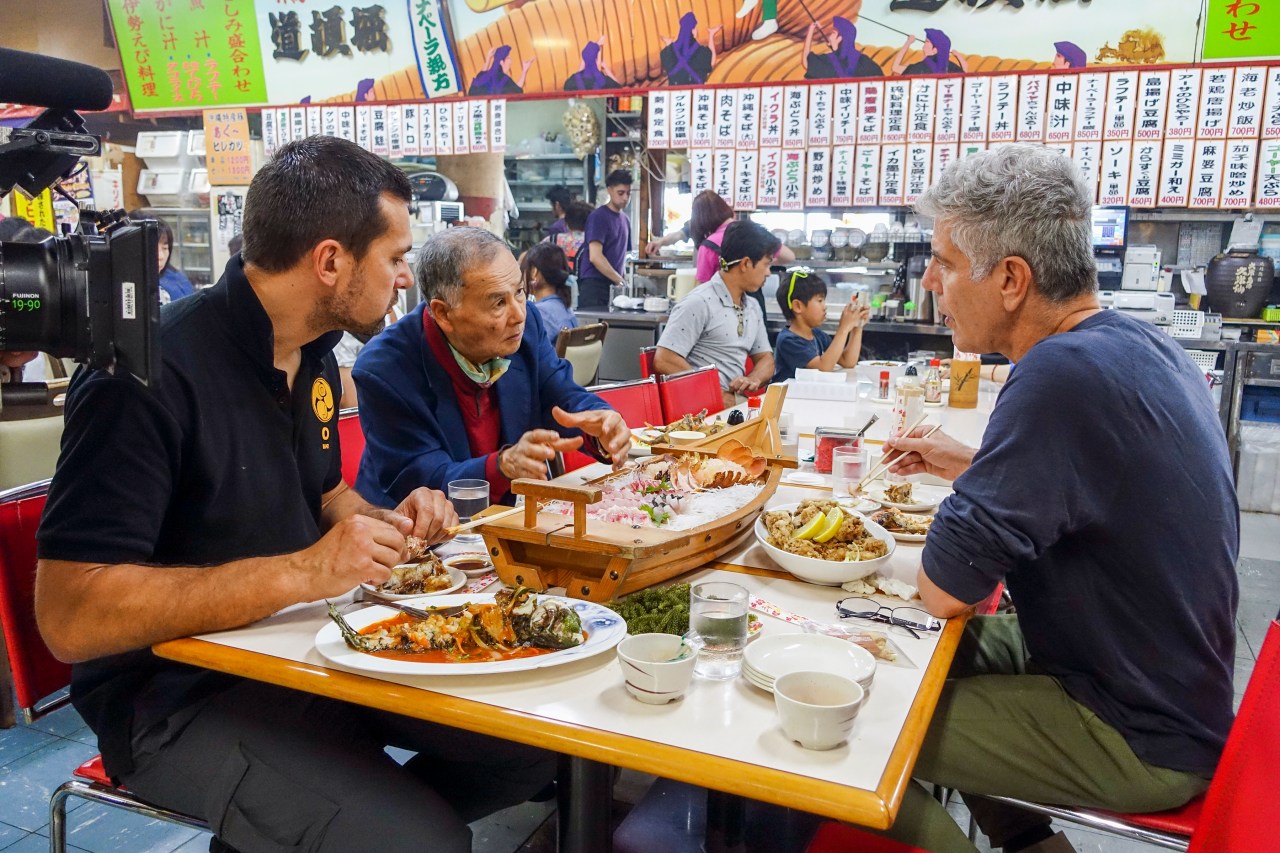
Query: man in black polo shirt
x=216, y=499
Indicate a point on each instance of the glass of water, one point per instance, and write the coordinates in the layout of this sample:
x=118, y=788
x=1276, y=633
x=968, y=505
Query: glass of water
x=848, y=467
x=718, y=625
x=469, y=498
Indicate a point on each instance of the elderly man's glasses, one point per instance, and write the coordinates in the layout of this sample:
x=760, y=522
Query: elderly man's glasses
x=795, y=273
x=910, y=619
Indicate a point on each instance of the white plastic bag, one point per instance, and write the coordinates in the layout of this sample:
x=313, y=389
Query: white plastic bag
x=1258, y=483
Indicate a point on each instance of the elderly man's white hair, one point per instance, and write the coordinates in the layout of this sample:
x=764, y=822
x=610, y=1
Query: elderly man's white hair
x=444, y=257
x=1020, y=200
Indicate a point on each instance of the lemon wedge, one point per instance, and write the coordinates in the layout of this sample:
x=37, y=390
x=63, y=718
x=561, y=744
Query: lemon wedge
x=811, y=529
x=834, y=519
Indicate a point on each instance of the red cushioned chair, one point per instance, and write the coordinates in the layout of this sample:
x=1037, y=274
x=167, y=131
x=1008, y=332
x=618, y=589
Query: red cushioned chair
x=690, y=392
x=647, y=355
x=352, y=437
x=37, y=674
x=636, y=401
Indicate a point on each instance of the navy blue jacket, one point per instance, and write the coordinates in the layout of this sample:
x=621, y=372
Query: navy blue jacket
x=414, y=435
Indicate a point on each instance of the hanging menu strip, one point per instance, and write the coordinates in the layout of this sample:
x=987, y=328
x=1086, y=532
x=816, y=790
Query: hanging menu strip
x=795, y=117
x=347, y=123
x=792, y=180
x=892, y=173
x=748, y=132
x=659, y=119
x=427, y=130
x=818, y=181
x=1237, y=173
x=842, y=171
x=845, y=121
x=700, y=170
x=770, y=171
x=1144, y=178
x=820, y=115
x=1175, y=172
x=702, y=119
x=943, y=156
x=1184, y=103
x=444, y=129
x=746, y=179
x=946, y=126
x=923, y=94
x=1206, y=173
x=479, y=123
x=1088, y=157
x=1271, y=109
x=870, y=112
x=896, y=93
x=1002, y=112
x=1059, y=122
x=1031, y=107
x=313, y=121
x=1153, y=98
x=866, y=179
x=411, y=128
x=1246, y=104
x=498, y=126
x=1215, y=102
x=395, y=126
x=1122, y=89
x=1091, y=105
x=681, y=106
x=722, y=173
x=919, y=166
x=726, y=118
x=771, y=98
x=1113, y=183
x=1267, y=192
x=329, y=121
x=973, y=115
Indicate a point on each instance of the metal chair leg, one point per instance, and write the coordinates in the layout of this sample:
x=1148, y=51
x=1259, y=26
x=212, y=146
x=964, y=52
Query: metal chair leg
x=109, y=797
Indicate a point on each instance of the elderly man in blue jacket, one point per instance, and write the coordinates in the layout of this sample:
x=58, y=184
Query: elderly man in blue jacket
x=468, y=385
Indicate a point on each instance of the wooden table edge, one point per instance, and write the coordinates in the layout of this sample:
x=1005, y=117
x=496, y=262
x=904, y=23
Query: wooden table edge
x=876, y=809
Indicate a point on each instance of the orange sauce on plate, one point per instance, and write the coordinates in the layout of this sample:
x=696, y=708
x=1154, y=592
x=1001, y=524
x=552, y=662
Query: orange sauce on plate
x=440, y=656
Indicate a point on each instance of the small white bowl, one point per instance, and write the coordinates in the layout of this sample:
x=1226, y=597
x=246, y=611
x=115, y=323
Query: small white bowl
x=825, y=572
x=685, y=436
x=469, y=557
x=657, y=668
x=817, y=709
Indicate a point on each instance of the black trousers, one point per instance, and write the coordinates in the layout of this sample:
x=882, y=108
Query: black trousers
x=593, y=293
x=275, y=770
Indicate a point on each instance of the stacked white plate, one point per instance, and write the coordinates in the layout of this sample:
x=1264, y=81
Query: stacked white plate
x=770, y=657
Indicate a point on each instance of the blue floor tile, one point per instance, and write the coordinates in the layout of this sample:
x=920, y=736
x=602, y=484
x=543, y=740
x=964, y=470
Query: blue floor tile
x=37, y=843
x=101, y=829
x=199, y=844
x=21, y=741
x=26, y=784
x=63, y=722
x=10, y=835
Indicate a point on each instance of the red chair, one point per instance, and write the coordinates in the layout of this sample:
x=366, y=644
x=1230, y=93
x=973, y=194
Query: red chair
x=842, y=838
x=690, y=392
x=352, y=438
x=647, y=355
x=37, y=674
x=636, y=401
x=1235, y=813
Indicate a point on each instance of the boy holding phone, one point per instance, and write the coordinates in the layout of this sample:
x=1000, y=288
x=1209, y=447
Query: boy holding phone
x=802, y=296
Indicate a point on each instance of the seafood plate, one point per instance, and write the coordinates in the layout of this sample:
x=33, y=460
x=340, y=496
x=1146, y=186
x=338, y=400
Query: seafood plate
x=426, y=576
x=677, y=492
x=509, y=631
x=822, y=530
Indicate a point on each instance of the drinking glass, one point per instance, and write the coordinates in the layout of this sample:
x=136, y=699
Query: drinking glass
x=469, y=498
x=789, y=434
x=718, y=625
x=848, y=467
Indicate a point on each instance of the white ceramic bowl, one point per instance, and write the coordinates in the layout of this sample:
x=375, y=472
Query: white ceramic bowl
x=656, y=668
x=817, y=709
x=869, y=369
x=463, y=562
x=685, y=436
x=826, y=572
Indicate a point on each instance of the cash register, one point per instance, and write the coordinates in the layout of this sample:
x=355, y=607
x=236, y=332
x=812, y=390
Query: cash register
x=1110, y=228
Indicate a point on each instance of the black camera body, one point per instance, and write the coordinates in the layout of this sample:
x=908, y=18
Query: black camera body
x=92, y=295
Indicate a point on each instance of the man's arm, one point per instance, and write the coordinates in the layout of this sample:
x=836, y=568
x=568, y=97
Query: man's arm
x=601, y=263
x=89, y=610
x=935, y=600
x=666, y=362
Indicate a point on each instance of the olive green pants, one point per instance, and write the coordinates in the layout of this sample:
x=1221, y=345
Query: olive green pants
x=999, y=730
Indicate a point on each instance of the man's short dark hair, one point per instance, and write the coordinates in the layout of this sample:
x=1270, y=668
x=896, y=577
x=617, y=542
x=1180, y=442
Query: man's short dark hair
x=802, y=287
x=619, y=176
x=560, y=195
x=575, y=215
x=315, y=189
x=746, y=239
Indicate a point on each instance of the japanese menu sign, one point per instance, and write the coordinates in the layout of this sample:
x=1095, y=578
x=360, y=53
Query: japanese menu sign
x=1031, y=107
x=842, y=176
x=1237, y=173
x=795, y=116
x=1215, y=101
x=1206, y=173
x=1145, y=174
x=1059, y=120
x=770, y=181
x=748, y=133
x=1175, y=173
x=226, y=146
x=1247, y=102
x=818, y=181
x=947, y=123
x=702, y=118
x=866, y=179
x=699, y=170
x=1153, y=93
x=819, y=116
x=923, y=92
x=659, y=120
x=771, y=117
x=1091, y=104
x=845, y=119
x=870, y=112
x=973, y=117
x=1113, y=182
x=681, y=105
x=792, y=180
x=892, y=173
x=1122, y=89
x=725, y=127
x=896, y=94
x=745, y=180
x=1267, y=191
x=1002, y=112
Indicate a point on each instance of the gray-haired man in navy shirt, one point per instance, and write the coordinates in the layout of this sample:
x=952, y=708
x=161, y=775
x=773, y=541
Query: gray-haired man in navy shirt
x=1101, y=495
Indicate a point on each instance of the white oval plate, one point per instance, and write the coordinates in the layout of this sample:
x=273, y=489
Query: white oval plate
x=775, y=656
x=925, y=497
x=803, y=478
x=456, y=581
x=605, y=629
x=908, y=537
x=863, y=504
x=472, y=573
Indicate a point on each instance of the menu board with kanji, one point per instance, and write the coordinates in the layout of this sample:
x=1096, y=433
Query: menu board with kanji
x=226, y=146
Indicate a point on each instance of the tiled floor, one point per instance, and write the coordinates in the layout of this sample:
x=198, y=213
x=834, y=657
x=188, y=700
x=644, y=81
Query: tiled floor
x=36, y=759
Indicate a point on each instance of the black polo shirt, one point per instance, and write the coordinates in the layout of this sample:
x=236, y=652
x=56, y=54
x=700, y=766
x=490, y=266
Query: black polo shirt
x=219, y=463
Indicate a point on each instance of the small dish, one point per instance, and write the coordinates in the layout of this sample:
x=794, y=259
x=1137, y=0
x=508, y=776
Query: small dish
x=473, y=564
x=924, y=497
x=803, y=478
x=457, y=579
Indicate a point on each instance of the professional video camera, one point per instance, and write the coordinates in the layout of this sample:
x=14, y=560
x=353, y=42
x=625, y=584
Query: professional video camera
x=92, y=294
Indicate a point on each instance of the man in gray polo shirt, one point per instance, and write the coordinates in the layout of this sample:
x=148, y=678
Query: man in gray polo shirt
x=715, y=325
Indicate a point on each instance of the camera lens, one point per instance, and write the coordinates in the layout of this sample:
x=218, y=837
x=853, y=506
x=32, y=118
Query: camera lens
x=39, y=283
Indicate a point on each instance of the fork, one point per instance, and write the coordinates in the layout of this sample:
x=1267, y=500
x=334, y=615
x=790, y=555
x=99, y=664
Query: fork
x=415, y=612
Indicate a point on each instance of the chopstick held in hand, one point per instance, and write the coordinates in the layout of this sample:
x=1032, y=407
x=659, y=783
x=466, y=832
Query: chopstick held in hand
x=884, y=463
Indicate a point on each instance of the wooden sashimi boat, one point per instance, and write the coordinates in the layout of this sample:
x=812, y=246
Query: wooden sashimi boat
x=599, y=560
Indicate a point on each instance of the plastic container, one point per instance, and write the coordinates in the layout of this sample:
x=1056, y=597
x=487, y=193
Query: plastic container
x=826, y=439
x=753, y=407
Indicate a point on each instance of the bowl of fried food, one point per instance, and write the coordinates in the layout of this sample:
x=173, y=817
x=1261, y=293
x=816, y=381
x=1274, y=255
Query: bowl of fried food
x=819, y=542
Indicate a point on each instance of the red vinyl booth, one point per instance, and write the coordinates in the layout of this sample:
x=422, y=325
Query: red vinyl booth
x=690, y=392
x=636, y=401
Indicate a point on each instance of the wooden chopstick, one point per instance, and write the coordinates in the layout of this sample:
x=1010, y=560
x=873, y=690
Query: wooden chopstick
x=883, y=464
x=477, y=522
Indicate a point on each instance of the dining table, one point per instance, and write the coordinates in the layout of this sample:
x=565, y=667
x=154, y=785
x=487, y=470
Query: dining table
x=721, y=735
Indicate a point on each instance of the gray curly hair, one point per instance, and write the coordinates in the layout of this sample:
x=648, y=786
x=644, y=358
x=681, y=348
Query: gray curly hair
x=1026, y=201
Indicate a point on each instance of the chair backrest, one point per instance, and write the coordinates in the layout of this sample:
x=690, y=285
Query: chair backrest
x=351, y=435
x=37, y=674
x=1237, y=808
x=690, y=392
x=647, y=355
x=582, y=348
x=636, y=401
x=29, y=448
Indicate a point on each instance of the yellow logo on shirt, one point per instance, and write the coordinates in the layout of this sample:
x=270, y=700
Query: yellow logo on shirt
x=322, y=402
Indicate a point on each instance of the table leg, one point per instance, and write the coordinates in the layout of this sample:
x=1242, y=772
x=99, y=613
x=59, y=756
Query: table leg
x=584, y=799
x=726, y=823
